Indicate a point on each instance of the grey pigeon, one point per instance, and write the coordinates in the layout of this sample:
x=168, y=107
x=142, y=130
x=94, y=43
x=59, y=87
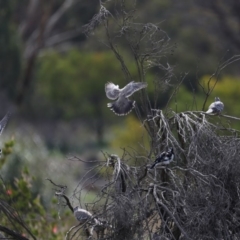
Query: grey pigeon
x=164, y=158
x=122, y=106
x=84, y=216
x=216, y=107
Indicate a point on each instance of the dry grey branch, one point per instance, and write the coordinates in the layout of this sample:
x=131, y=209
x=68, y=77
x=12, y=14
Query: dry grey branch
x=97, y=19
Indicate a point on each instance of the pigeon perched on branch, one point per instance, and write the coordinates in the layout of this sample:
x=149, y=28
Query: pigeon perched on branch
x=216, y=107
x=122, y=106
x=164, y=158
x=83, y=216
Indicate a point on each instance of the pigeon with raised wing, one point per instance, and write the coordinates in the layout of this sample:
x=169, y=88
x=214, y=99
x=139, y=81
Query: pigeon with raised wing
x=164, y=158
x=216, y=107
x=122, y=106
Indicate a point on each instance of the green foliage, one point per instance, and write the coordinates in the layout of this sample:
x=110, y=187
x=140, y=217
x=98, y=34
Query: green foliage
x=28, y=207
x=74, y=82
x=184, y=100
x=131, y=135
x=7, y=150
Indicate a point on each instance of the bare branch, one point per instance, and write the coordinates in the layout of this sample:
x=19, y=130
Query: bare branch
x=13, y=234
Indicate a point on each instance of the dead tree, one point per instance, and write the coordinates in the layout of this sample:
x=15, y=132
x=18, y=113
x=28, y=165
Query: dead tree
x=197, y=195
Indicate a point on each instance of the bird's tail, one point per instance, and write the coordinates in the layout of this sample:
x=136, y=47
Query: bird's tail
x=209, y=111
x=123, y=107
x=153, y=166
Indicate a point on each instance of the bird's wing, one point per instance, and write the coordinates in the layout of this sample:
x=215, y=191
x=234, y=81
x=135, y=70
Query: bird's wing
x=162, y=155
x=160, y=159
x=82, y=215
x=112, y=91
x=219, y=106
x=122, y=106
x=211, y=108
x=169, y=156
x=212, y=105
x=132, y=87
x=215, y=107
x=3, y=122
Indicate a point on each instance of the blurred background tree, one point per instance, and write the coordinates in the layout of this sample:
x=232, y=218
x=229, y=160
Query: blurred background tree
x=10, y=53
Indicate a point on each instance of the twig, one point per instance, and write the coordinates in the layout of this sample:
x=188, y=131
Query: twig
x=12, y=233
x=57, y=185
x=66, y=198
x=169, y=212
x=230, y=117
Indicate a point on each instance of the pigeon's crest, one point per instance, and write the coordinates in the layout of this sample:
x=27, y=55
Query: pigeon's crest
x=216, y=107
x=122, y=106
